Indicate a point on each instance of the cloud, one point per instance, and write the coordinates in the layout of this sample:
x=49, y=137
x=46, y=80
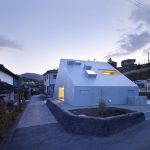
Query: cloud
x=138, y=40
x=116, y=54
x=6, y=43
x=141, y=14
x=131, y=43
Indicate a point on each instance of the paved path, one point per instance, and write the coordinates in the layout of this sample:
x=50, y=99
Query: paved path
x=38, y=130
x=36, y=113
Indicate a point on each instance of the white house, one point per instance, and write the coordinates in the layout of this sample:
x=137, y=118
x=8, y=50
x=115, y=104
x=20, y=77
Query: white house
x=85, y=83
x=8, y=80
x=49, y=81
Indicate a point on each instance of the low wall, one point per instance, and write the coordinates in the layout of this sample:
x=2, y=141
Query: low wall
x=93, y=125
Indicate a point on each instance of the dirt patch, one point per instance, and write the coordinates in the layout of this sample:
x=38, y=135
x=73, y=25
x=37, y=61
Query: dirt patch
x=96, y=112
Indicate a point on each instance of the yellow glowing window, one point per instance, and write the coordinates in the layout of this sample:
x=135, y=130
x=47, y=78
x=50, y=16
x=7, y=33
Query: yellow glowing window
x=109, y=72
x=61, y=93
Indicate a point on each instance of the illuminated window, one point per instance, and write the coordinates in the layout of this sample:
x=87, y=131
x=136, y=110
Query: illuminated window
x=61, y=93
x=109, y=72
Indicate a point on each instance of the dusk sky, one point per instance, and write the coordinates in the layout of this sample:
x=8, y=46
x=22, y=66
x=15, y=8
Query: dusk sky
x=36, y=34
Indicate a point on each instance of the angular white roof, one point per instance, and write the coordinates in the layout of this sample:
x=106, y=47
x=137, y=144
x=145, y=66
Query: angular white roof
x=77, y=70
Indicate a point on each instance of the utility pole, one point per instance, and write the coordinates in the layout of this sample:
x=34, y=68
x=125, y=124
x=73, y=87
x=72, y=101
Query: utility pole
x=148, y=56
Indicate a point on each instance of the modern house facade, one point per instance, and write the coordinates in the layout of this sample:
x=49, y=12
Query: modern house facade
x=85, y=83
x=49, y=82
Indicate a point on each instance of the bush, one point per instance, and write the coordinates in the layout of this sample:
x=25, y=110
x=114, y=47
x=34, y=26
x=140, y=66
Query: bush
x=10, y=105
x=19, y=108
x=102, y=105
x=8, y=114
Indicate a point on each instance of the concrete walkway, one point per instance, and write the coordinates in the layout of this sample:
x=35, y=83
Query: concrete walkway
x=38, y=130
x=36, y=113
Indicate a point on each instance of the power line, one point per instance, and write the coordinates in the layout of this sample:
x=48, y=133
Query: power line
x=140, y=5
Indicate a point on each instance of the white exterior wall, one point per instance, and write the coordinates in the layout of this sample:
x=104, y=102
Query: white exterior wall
x=78, y=92
x=63, y=80
x=6, y=78
x=88, y=96
x=50, y=80
x=46, y=82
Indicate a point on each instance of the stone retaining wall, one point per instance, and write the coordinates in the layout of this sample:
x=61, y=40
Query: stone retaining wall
x=93, y=125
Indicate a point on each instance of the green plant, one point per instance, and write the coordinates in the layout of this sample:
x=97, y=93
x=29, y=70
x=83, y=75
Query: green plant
x=10, y=105
x=102, y=104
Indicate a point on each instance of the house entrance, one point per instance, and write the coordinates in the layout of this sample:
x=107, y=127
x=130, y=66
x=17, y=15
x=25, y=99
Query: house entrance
x=61, y=93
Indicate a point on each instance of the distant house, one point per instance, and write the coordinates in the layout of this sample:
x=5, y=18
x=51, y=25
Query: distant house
x=85, y=83
x=128, y=65
x=128, y=62
x=49, y=81
x=8, y=82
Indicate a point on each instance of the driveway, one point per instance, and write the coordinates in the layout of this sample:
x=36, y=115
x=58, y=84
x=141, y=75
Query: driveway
x=38, y=130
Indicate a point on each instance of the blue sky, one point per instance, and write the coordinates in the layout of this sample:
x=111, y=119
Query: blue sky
x=36, y=34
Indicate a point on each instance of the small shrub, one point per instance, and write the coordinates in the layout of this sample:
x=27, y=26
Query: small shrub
x=19, y=108
x=8, y=114
x=10, y=105
x=102, y=105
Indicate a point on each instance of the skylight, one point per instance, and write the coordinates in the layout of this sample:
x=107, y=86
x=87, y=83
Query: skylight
x=77, y=62
x=87, y=67
x=90, y=73
x=109, y=72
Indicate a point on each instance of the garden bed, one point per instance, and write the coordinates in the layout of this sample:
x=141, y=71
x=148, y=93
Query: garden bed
x=89, y=125
x=96, y=112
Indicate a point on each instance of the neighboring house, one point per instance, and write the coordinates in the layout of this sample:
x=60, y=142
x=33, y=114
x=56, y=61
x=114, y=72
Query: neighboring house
x=8, y=76
x=6, y=91
x=8, y=82
x=49, y=82
x=85, y=83
x=128, y=62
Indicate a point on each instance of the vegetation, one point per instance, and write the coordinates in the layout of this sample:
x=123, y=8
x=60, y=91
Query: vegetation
x=8, y=114
x=102, y=105
x=102, y=102
x=142, y=74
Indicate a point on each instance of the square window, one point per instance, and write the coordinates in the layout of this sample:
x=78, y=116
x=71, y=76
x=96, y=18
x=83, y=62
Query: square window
x=54, y=76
